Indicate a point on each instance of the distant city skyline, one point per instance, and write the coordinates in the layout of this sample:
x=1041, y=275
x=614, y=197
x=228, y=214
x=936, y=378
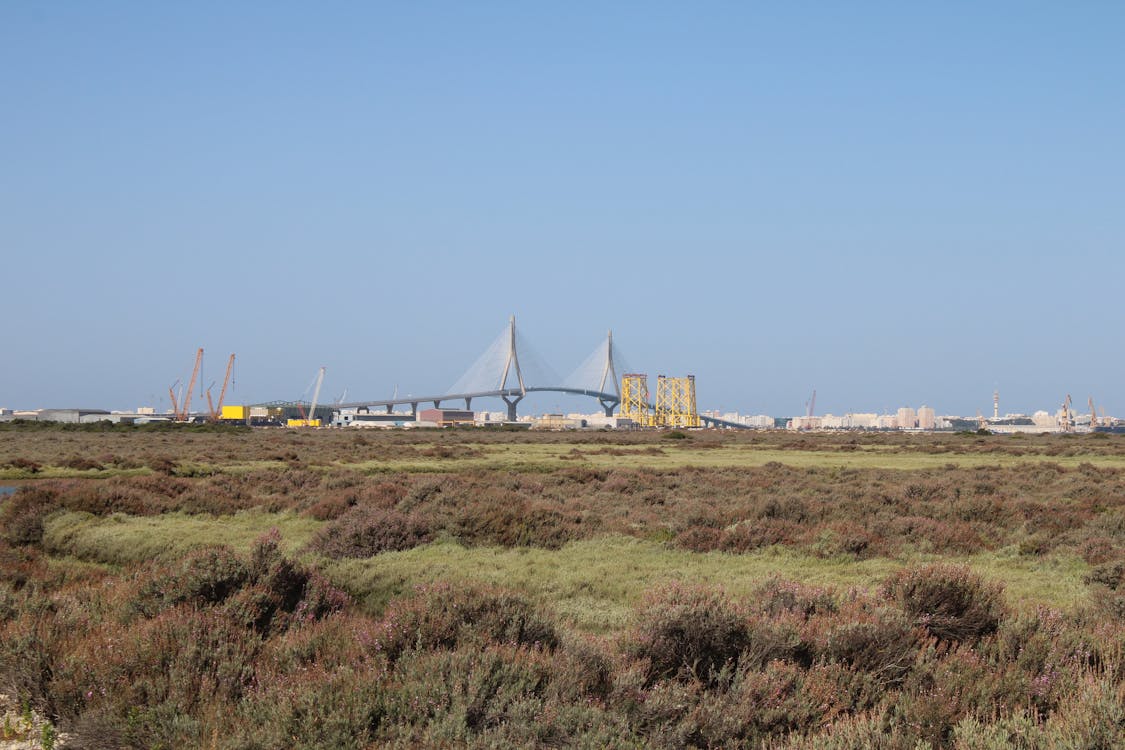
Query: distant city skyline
x=891, y=204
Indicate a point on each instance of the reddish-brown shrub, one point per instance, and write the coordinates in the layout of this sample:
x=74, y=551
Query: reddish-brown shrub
x=333, y=506
x=21, y=516
x=700, y=539
x=1110, y=574
x=80, y=463
x=266, y=593
x=441, y=616
x=951, y=602
x=581, y=671
x=687, y=631
x=940, y=536
x=1099, y=549
x=778, y=595
x=511, y=522
x=25, y=464
x=844, y=538
x=765, y=532
x=760, y=707
x=884, y=645
x=366, y=531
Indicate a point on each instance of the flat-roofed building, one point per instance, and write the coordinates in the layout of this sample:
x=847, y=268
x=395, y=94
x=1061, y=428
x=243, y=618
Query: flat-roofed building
x=1044, y=419
x=446, y=417
x=906, y=419
x=74, y=416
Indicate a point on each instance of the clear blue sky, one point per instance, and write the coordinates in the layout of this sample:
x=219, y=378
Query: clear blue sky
x=893, y=203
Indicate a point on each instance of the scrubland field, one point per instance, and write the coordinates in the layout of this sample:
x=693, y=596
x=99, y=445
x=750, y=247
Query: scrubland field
x=228, y=588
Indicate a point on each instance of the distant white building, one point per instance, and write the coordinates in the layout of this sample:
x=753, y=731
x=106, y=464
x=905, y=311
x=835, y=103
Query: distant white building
x=927, y=420
x=863, y=421
x=805, y=423
x=906, y=419
x=833, y=422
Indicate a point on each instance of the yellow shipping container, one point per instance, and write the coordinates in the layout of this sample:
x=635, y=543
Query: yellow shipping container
x=304, y=423
x=235, y=412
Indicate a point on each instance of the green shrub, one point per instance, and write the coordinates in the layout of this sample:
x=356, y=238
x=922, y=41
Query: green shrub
x=207, y=576
x=473, y=687
x=309, y=709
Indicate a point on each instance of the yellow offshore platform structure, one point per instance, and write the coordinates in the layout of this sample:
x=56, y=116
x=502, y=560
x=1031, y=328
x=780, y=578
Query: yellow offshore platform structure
x=634, y=399
x=675, y=401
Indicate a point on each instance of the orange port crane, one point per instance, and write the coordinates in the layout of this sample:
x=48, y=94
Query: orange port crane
x=172, y=398
x=182, y=414
x=217, y=410
x=1093, y=414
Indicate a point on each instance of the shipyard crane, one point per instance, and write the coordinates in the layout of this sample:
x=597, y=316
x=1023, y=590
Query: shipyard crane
x=1066, y=420
x=182, y=414
x=1093, y=414
x=217, y=410
x=172, y=398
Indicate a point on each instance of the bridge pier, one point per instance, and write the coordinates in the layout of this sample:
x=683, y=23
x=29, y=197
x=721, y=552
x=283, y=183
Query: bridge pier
x=414, y=410
x=609, y=406
x=390, y=407
x=468, y=403
x=511, y=406
x=437, y=403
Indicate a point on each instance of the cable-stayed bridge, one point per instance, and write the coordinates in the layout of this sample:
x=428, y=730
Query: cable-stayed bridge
x=499, y=373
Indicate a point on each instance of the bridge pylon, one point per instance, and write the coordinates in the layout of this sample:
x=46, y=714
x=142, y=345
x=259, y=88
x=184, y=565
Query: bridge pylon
x=512, y=360
x=609, y=377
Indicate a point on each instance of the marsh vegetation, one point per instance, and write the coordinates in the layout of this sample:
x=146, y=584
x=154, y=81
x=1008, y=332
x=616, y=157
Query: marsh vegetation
x=274, y=589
